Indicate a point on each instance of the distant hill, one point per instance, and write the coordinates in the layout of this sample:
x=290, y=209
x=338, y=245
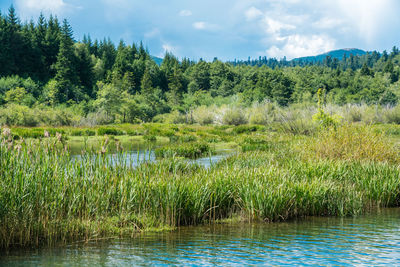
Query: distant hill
x=157, y=60
x=339, y=54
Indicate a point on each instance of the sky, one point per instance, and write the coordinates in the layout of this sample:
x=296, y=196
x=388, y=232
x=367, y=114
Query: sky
x=229, y=29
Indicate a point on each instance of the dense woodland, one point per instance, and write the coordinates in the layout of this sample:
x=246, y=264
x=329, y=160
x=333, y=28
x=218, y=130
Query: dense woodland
x=44, y=71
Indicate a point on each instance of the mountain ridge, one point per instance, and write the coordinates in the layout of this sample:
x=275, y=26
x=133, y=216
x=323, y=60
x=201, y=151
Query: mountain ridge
x=338, y=53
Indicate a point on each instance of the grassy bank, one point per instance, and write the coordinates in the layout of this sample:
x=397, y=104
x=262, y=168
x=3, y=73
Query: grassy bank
x=46, y=198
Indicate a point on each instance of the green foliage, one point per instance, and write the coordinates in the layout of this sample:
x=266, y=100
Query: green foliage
x=82, y=132
x=234, y=116
x=247, y=129
x=124, y=85
x=322, y=118
x=150, y=138
x=109, y=131
x=188, y=150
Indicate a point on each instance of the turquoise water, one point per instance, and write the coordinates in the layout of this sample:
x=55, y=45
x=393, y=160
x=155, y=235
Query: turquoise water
x=362, y=241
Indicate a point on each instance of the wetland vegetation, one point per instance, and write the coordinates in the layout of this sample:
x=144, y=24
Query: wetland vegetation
x=47, y=198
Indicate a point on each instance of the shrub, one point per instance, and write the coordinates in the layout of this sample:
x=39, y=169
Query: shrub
x=234, y=116
x=28, y=132
x=17, y=115
x=391, y=115
x=188, y=138
x=109, y=131
x=203, y=115
x=82, y=132
x=149, y=138
x=174, y=117
x=353, y=113
x=291, y=124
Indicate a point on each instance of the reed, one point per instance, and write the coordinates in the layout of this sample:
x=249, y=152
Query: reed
x=48, y=197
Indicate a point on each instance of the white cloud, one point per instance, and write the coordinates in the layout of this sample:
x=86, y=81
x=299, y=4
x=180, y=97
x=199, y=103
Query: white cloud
x=31, y=7
x=297, y=45
x=153, y=33
x=275, y=26
x=327, y=23
x=201, y=25
x=168, y=48
x=253, y=13
x=118, y=10
x=185, y=13
x=368, y=17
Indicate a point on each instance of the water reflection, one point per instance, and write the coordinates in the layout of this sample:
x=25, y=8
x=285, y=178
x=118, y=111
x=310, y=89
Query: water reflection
x=368, y=240
x=134, y=158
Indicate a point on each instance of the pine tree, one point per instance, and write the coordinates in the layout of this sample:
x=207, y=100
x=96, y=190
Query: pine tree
x=66, y=76
x=52, y=44
x=147, y=84
x=12, y=46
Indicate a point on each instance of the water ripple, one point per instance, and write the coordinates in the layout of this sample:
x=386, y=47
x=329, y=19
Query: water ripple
x=364, y=241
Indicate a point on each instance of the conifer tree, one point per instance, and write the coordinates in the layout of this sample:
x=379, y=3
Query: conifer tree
x=65, y=76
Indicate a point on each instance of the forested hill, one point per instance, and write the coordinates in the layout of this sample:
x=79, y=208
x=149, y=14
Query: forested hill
x=338, y=54
x=43, y=68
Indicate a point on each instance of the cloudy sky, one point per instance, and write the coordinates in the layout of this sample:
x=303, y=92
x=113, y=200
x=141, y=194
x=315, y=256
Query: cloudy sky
x=229, y=29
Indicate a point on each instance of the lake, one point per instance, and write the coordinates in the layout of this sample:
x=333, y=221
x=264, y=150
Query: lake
x=372, y=239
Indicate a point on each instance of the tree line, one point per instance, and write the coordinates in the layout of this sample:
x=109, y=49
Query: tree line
x=41, y=65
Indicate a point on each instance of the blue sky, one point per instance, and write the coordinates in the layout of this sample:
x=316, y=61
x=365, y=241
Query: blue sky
x=229, y=29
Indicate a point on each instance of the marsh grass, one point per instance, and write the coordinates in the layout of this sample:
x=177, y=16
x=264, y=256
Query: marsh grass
x=48, y=198
x=191, y=150
x=352, y=143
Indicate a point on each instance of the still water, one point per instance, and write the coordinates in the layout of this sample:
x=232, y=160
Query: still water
x=371, y=240
x=135, y=158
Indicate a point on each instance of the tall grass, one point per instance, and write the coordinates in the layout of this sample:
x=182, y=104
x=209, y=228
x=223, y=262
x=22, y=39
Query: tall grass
x=48, y=197
x=352, y=143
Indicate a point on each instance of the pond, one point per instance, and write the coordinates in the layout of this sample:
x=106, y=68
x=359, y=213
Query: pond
x=366, y=240
x=137, y=152
x=134, y=158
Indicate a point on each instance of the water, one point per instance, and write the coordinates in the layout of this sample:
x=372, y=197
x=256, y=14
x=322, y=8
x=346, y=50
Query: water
x=134, y=158
x=363, y=241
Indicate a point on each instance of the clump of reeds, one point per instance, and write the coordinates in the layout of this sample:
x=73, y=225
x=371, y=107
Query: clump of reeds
x=188, y=150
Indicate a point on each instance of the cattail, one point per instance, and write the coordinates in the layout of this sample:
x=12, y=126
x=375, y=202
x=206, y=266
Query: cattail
x=6, y=132
x=59, y=136
x=18, y=147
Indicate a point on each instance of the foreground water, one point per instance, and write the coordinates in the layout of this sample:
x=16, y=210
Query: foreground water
x=367, y=240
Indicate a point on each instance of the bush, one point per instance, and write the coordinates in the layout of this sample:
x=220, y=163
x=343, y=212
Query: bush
x=203, y=115
x=173, y=118
x=391, y=115
x=353, y=113
x=149, y=138
x=28, y=132
x=109, y=131
x=234, y=116
x=82, y=132
x=17, y=115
